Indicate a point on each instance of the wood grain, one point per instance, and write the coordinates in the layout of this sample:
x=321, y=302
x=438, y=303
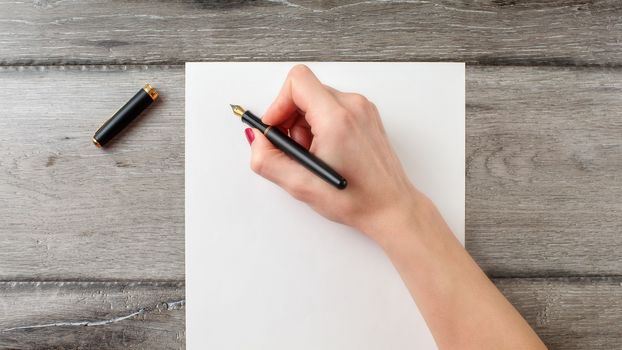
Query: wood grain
x=73, y=211
x=544, y=166
x=85, y=315
x=499, y=32
x=570, y=313
x=575, y=313
x=544, y=158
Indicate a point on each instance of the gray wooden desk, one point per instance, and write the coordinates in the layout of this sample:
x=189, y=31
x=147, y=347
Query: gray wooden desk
x=92, y=241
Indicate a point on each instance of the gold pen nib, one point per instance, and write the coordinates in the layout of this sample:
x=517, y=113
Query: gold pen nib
x=237, y=110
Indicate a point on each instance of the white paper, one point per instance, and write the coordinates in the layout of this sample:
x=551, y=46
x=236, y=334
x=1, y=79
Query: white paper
x=264, y=271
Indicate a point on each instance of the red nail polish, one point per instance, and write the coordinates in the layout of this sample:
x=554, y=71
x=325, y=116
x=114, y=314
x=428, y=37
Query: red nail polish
x=250, y=136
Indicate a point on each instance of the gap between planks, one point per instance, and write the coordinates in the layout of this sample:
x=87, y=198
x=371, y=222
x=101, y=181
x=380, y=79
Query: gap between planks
x=182, y=283
x=181, y=64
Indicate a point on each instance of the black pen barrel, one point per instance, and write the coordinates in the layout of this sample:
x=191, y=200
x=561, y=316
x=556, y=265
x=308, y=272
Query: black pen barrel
x=311, y=162
x=295, y=150
x=254, y=122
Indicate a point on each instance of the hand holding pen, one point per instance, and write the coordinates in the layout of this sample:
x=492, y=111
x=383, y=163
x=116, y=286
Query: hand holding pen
x=343, y=130
x=292, y=148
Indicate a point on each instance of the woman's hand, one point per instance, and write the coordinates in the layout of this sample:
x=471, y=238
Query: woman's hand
x=454, y=296
x=345, y=131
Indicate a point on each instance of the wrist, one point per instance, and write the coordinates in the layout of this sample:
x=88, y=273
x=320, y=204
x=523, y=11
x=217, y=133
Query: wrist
x=421, y=235
x=402, y=220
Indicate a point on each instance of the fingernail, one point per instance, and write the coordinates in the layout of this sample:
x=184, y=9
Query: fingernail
x=250, y=136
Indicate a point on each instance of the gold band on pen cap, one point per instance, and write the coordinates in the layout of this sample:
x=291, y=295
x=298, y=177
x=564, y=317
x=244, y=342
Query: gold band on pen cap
x=151, y=91
x=96, y=143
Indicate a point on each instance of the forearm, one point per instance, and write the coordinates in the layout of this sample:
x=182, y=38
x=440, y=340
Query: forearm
x=462, y=307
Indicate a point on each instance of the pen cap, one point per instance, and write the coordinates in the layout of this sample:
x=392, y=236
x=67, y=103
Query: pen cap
x=124, y=116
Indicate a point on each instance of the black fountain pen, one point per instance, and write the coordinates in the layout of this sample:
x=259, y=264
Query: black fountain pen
x=292, y=148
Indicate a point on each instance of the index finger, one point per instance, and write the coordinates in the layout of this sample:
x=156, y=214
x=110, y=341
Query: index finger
x=302, y=91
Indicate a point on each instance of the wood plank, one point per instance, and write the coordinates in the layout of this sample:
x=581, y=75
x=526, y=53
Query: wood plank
x=544, y=159
x=86, y=315
x=575, y=313
x=580, y=313
x=543, y=162
x=556, y=32
x=73, y=211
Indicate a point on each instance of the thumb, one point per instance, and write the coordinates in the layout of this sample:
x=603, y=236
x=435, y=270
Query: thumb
x=274, y=165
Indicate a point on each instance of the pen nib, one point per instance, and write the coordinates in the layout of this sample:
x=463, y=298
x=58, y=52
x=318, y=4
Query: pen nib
x=237, y=110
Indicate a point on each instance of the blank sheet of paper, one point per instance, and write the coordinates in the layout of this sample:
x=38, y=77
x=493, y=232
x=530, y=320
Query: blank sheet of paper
x=264, y=271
